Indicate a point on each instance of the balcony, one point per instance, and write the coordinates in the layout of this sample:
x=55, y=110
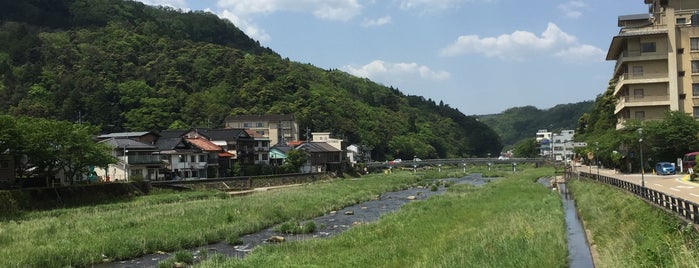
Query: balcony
x=646, y=101
x=640, y=78
x=143, y=159
x=637, y=55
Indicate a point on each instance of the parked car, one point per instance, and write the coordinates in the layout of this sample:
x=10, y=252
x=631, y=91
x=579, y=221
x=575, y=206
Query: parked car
x=664, y=168
x=394, y=161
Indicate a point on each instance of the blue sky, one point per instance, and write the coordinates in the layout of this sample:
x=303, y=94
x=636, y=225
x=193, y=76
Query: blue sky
x=479, y=56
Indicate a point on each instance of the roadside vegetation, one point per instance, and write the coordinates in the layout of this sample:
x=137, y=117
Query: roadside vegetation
x=628, y=232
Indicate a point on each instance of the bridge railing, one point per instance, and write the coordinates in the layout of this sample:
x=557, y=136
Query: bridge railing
x=684, y=208
x=454, y=161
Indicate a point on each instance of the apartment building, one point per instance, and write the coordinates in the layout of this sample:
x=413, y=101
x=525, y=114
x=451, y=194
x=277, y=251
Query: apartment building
x=280, y=129
x=657, y=61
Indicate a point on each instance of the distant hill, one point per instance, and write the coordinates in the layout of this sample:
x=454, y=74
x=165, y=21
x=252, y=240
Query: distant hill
x=125, y=66
x=518, y=123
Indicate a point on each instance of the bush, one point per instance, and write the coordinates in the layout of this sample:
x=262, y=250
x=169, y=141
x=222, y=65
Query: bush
x=293, y=227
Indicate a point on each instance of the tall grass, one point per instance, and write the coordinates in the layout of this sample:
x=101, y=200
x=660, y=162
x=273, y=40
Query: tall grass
x=170, y=221
x=628, y=232
x=508, y=223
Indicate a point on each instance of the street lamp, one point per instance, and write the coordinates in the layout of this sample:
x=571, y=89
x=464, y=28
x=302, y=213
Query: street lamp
x=640, y=149
x=597, y=157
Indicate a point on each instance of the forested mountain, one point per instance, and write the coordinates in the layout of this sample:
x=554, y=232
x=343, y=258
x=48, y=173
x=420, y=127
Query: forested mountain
x=517, y=123
x=125, y=66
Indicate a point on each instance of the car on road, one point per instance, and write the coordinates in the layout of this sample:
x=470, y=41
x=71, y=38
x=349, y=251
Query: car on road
x=664, y=168
x=395, y=161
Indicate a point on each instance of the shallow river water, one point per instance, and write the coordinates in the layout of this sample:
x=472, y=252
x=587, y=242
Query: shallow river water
x=327, y=225
x=370, y=211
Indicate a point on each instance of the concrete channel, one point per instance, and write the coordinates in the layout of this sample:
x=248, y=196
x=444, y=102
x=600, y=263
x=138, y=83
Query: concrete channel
x=579, y=253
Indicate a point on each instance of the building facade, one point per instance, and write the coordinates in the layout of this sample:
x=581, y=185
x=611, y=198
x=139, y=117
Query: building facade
x=280, y=129
x=657, y=61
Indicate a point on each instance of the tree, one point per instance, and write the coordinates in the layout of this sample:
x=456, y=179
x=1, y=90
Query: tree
x=672, y=137
x=296, y=159
x=49, y=147
x=527, y=148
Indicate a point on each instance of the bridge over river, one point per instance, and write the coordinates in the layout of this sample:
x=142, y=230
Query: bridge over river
x=454, y=161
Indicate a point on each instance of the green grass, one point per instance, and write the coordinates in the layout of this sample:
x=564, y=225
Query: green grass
x=628, y=232
x=168, y=221
x=508, y=223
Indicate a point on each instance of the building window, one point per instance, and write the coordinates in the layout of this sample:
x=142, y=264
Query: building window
x=261, y=132
x=637, y=71
x=265, y=157
x=640, y=115
x=202, y=158
x=648, y=47
x=260, y=124
x=696, y=112
x=638, y=93
x=695, y=89
x=694, y=43
x=695, y=66
x=136, y=172
x=247, y=125
x=681, y=20
x=193, y=158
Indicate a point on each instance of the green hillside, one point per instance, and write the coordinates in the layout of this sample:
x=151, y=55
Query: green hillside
x=125, y=66
x=517, y=123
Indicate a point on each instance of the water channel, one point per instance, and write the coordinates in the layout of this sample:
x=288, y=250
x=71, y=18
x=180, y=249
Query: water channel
x=336, y=222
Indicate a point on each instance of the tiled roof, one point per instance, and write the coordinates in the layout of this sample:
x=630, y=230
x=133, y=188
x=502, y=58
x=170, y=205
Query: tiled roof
x=128, y=144
x=123, y=135
x=294, y=143
x=169, y=143
x=223, y=134
x=204, y=144
x=317, y=147
x=169, y=134
x=256, y=135
x=282, y=148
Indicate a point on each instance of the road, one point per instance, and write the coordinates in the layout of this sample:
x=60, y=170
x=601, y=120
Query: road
x=675, y=185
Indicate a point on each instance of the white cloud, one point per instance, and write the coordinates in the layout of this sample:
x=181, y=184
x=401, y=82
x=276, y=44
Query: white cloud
x=377, y=22
x=433, y=6
x=181, y=4
x=572, y=8
x=582, y=53
x=252, y=30
x=341, y=10
x=520, y=45
x=393, y=73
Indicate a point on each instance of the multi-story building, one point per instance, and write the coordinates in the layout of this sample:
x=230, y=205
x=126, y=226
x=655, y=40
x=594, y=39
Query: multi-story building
x=657, y=61
x=562, y=145
x=280, y=129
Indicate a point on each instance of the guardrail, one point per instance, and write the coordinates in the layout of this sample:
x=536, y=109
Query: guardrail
x=686, y=209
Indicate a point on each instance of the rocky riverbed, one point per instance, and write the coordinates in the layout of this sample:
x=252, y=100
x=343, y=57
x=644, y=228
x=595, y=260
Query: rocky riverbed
x=334, y=222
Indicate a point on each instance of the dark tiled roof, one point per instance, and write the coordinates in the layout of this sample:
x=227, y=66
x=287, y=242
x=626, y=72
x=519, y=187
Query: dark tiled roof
x=128, y=144
x=317, y=147
x=123, y=135
x=170, y=143
x=223, y=134
x=283, y=148
x=168, y=134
